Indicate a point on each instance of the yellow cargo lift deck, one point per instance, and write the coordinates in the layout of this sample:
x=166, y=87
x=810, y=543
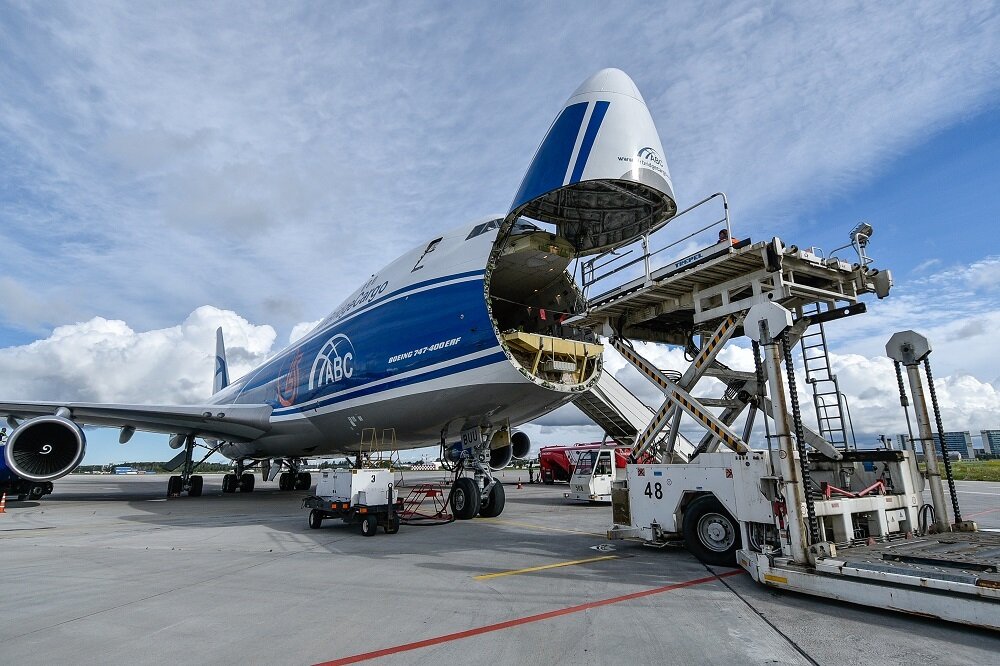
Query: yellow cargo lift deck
x=801, y=510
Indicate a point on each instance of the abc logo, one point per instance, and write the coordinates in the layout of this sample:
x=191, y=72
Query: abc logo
x=650, y=155
x=334, y=362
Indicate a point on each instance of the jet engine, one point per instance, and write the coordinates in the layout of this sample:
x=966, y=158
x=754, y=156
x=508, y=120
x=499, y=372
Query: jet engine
x=520, y=444
x=45, y=448
x=501, y=452
x=505, y=446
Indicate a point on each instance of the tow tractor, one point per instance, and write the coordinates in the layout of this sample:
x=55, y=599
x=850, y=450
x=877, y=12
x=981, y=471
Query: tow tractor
x=363, y=496
x=595, y=471
x=800, y=508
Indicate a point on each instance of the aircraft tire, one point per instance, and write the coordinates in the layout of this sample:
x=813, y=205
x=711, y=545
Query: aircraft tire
x=493, y=506
x=197, y=485
x=285, y=481
x=369, y=525
x=174, y=486
x=303, y=480
x=710, y=533
x=315, y=519
x=465, y=498
x=246, y=483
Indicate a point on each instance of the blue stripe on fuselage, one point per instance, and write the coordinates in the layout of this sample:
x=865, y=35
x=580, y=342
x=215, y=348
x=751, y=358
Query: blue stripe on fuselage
x=399, y=383
x=414, y=331
x=409, y=288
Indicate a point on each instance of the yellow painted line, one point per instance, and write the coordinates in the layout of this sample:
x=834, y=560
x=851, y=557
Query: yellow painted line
x=537, y=527
x=544, y=567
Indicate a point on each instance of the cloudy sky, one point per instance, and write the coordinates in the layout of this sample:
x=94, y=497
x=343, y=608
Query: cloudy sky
x=172, y=167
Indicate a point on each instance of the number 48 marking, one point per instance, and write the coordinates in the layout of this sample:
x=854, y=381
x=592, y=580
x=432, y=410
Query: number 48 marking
x=653, y=490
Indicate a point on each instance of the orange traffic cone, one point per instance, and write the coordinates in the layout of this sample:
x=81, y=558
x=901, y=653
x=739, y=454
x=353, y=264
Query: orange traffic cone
x=3, y=503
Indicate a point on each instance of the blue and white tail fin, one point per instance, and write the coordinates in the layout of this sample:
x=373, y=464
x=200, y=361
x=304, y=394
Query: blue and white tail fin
x=221, y=380
x=600, y=174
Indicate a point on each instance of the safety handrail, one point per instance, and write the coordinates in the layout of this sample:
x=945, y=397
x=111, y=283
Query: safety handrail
x=589, y=270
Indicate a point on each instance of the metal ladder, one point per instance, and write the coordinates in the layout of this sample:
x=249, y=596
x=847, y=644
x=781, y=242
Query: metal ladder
x=826, y=389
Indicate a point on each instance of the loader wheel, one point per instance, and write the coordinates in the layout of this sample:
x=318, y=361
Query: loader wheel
x=369, y=525
x=710, y=532
x=315, y=519
x=465, y=498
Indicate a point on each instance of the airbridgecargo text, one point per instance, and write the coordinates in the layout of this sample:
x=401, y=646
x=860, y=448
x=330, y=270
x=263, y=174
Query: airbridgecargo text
x=368, y=292
x=423, y=350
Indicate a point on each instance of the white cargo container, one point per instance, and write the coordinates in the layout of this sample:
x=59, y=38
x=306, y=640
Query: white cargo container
x=355, y=486
x=364, y=496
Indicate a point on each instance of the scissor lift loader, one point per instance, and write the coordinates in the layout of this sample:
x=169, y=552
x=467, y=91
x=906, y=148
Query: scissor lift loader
x=796, y=510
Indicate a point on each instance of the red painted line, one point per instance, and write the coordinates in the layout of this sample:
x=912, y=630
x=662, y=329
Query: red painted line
x=446, y=638
x=983, y=512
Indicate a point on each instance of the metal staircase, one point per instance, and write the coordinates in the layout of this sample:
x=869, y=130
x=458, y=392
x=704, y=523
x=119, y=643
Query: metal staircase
x=826, y=389
x=622, y=415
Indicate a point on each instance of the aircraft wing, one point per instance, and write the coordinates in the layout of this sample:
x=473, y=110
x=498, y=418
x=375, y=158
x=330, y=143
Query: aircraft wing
x=234, y=423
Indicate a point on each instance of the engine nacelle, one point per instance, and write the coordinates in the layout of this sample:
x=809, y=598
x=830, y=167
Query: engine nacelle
x=521, y=445
x=45, y=448
x=505, y=446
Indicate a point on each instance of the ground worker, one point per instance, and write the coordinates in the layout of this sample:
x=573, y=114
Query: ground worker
x=724, y=236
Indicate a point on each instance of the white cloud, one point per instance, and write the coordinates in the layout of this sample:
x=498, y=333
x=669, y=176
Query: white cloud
x=104, y=360
x=956, y=308
x=926, y=265
x=300, y=330
x=966, y=403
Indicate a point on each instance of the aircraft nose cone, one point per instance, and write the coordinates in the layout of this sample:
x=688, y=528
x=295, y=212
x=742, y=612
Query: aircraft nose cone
x=610, y=80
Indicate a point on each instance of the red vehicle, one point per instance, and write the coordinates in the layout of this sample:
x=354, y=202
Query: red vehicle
x=555, y=463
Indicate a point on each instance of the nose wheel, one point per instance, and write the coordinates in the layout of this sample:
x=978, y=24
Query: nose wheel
x=465, y=499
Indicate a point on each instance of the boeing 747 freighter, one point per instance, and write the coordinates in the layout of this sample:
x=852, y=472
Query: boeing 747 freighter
x=456, y=342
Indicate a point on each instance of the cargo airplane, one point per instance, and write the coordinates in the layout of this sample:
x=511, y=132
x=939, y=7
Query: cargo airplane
x=456, y=342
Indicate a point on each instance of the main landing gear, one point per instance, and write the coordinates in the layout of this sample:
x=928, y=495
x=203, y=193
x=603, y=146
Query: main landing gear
x=241, y=480
x=187, y=481
x=291, y=478
x=294, y=481
x=33, y=491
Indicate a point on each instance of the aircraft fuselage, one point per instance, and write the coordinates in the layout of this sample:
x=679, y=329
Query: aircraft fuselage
x=412, y=354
